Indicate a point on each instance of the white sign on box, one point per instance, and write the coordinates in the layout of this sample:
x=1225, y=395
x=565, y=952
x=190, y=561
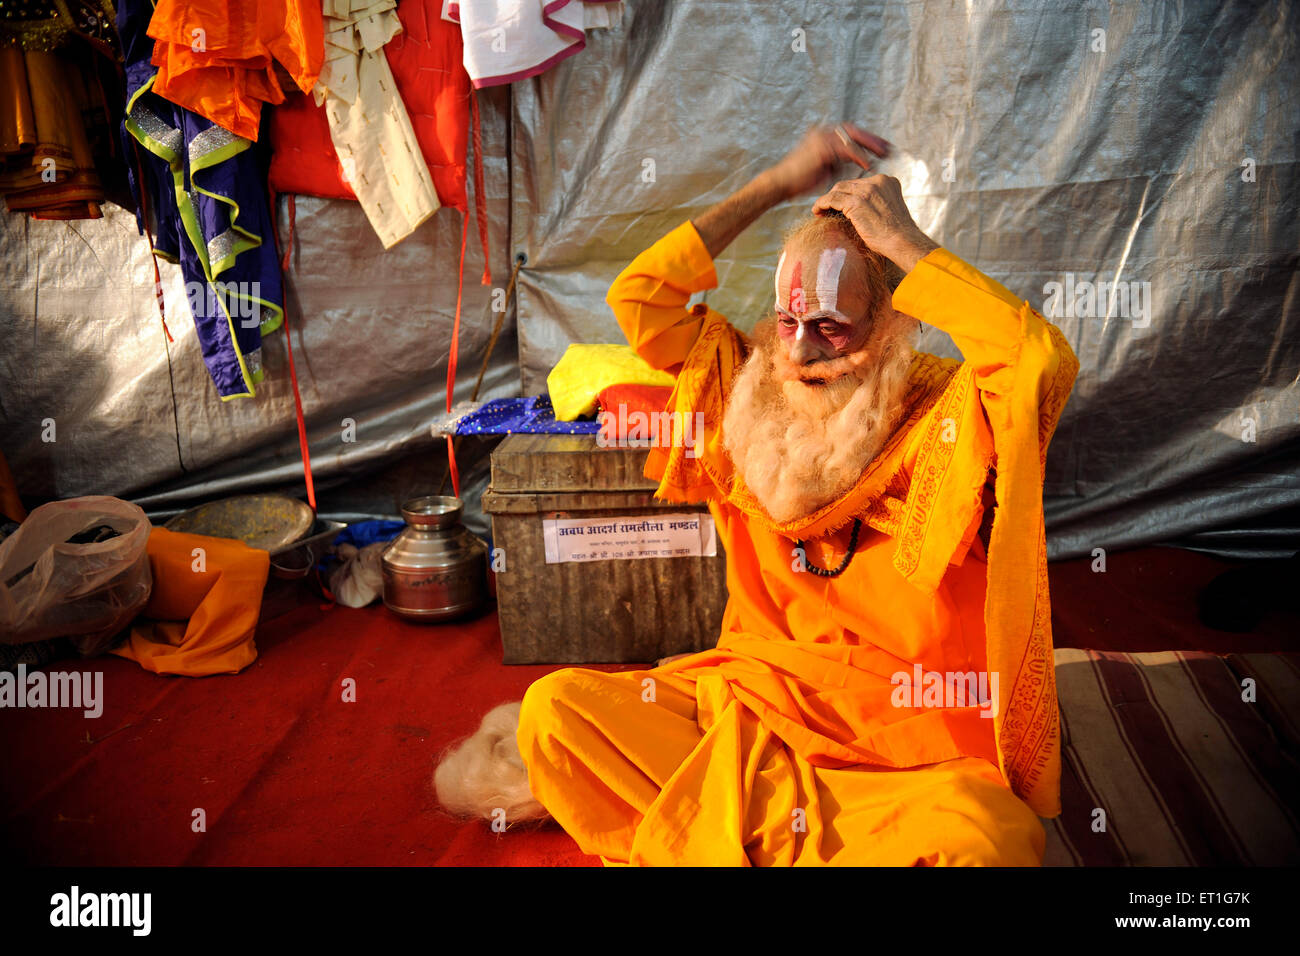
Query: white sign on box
x=629, y=536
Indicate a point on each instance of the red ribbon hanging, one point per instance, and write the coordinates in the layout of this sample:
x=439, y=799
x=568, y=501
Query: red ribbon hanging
x=293, y=371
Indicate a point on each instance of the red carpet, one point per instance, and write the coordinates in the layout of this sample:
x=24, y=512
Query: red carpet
x=289, y=774
x=286, y=772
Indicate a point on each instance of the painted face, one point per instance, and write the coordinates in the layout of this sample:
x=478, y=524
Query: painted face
x=809, y=316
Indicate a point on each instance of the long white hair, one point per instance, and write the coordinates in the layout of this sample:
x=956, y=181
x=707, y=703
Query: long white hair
x=485, y=774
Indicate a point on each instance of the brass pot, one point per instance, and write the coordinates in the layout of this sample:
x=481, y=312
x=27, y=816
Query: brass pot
x=435, y=570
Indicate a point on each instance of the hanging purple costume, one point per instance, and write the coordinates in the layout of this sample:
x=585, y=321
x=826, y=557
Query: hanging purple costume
x=205, y=188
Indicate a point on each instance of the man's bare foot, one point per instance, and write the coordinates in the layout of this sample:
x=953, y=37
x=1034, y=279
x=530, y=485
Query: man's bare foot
x=668, y=660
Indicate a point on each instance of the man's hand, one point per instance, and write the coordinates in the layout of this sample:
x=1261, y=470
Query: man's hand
x=824, y=148
x=803, y=169
x=876, y=208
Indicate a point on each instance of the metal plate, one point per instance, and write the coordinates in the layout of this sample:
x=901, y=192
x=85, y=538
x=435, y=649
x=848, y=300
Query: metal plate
x=269, y=522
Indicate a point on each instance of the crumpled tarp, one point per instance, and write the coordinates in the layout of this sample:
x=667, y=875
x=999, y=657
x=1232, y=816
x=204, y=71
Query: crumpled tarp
x=1161, y=152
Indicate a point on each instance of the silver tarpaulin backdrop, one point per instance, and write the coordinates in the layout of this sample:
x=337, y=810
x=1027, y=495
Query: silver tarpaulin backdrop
x=1128, y=168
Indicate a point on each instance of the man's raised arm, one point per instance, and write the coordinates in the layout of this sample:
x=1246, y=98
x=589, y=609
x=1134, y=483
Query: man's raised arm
x=1008, y=344
x=649, y=297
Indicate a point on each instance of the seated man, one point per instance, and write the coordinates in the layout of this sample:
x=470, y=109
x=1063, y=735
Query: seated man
x=882, y=692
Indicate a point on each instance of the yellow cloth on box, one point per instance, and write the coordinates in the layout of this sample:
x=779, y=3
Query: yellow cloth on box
x=584, y=371
x=786, y=743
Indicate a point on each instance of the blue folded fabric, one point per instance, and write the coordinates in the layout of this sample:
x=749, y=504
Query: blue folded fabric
x=531, y=416
x=368, y=532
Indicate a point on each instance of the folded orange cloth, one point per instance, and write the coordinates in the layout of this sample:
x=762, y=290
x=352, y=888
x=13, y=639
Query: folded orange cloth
x=200, y=619
x=626, y=410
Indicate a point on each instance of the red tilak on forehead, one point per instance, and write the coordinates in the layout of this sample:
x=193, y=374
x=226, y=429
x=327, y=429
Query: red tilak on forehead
x=798, y=303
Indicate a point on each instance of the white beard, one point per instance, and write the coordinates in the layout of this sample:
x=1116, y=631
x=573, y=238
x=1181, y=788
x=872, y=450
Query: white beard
x=800, y=446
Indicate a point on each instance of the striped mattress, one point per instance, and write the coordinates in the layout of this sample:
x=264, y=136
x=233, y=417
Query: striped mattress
x=1177, y=758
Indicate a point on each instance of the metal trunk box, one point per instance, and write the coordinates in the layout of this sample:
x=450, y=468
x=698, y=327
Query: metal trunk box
x=590, y=608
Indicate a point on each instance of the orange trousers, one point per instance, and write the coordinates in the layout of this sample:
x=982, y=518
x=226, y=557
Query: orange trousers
x=655, y=768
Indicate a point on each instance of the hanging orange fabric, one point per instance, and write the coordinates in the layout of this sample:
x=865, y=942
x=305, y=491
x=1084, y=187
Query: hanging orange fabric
x=216, y=57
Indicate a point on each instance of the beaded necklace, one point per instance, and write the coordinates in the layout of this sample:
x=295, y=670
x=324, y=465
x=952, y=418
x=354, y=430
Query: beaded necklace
x=827, y=572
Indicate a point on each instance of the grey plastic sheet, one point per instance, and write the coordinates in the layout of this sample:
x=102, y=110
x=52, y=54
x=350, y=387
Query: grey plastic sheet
x=1157, y=156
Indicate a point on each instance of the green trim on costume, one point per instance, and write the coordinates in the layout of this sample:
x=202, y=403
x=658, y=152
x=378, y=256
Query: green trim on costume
x=216, y=157
x=185, y=207
x=251, y=239
x=275, y=322
x=234, y=340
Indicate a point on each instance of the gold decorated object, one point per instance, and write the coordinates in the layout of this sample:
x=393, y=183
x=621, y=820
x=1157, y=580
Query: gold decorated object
x=44, y=25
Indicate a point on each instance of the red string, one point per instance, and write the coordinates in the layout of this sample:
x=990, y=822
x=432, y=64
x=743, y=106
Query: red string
x=144, y=217
x=158, y=287
x=451, y=463
x=480, y=211
x=454, y=353
x=293, y=371
x=302, y=425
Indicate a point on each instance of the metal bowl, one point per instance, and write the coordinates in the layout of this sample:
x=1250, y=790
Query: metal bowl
x=269, y=522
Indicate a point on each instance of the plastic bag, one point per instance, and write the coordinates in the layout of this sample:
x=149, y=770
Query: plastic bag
x=360, y=578
x=89, y=592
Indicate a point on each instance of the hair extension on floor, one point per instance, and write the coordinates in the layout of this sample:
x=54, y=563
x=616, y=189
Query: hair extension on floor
x=485, y=774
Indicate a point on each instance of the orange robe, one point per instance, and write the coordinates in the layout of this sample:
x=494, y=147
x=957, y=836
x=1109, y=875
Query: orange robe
x=215, y=57
x=789, y=743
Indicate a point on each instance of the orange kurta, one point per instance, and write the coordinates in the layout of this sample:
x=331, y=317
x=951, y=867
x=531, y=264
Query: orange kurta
x=783, y=744
x=215, y=57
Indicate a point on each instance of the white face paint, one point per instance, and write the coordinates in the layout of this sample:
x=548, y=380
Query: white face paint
x=777, y=280
x=828, y=278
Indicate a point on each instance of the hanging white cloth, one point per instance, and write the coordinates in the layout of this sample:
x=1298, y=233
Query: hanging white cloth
x=371, y=130
x=508, y=40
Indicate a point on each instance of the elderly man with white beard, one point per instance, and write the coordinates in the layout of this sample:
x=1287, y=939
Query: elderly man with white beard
x=882, y=691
